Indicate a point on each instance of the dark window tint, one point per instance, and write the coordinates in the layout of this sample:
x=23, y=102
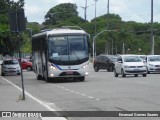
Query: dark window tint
x=10, y=62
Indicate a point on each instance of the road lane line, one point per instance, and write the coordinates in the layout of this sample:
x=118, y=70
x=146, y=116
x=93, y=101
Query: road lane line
x=91, y=97
x=72, y=91
x=83, y=94
x=142, y=82
x=37, y=100
x=97, y=99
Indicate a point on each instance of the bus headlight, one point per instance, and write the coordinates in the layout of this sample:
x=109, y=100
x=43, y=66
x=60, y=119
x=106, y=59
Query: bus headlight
x=52, y=67
x=52, y=75
x=86, y=73
x=83, y=67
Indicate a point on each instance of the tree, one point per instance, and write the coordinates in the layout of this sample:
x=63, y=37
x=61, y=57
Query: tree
x=60, y=13
x=8, y=41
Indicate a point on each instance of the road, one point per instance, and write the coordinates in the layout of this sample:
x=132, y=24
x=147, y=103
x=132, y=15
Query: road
x=101, y=91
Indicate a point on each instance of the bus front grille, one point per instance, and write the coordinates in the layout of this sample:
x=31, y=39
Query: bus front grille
x=70, y=73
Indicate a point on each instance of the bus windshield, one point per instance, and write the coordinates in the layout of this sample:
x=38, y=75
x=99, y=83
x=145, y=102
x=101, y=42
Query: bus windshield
x=68, y=50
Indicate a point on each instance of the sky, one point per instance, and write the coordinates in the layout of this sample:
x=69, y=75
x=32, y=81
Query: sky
x=129, y=10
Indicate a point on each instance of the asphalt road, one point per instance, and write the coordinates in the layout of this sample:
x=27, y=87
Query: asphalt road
x=101, y=91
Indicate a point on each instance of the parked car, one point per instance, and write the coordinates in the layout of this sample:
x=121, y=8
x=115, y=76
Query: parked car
x=104, y=62
x=153, y=63
x=10, y=67
x=130, y=65
x=26, y=65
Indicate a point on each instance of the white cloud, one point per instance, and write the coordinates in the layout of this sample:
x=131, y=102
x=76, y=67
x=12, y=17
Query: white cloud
x=137, y=18
x=31, y=10
x=65, y=1
x=137, y=10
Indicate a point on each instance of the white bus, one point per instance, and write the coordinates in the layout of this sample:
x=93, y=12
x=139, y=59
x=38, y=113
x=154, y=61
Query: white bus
x=60, y=53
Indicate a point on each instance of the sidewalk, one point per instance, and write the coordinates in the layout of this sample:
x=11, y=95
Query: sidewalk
x=10, y=100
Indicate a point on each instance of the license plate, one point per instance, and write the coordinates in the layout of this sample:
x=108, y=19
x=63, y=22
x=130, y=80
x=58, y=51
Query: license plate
x=69, y=72
x=12, y=71
x=136, y=69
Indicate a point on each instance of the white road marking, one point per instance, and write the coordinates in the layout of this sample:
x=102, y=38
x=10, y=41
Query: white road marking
x=72, y=91
x=77, y=93
x=38, y=101
x=142, y=82
x=83, y=95
x=91, y=97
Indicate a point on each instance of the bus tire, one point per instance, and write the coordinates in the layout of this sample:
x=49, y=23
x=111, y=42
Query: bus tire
x=39, y=77
x=82, y=78
x=2, y=74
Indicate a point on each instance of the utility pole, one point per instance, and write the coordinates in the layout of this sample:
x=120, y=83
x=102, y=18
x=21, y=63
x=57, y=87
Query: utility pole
x=85, y=10
x=152, y=35
x=107, y=26
x=18, y=25
x=108, y=7
x=95, y=23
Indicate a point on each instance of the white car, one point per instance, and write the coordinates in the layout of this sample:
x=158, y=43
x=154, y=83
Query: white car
x=153, y=63
x=10, y=67
x=130, y=65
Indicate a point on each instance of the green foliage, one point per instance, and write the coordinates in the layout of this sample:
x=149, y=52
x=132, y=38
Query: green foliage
x=9, y=43
x=134, y=35
x=61, y=13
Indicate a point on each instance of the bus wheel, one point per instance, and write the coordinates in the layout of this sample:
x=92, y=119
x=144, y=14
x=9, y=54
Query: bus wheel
x=82, y=78
x=39, y=77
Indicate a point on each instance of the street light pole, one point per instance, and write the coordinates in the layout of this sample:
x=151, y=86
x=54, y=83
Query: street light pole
x=94, y=39
x=152, y=35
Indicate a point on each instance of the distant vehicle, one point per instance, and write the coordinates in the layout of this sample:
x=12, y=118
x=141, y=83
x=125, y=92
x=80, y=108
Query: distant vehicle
x=61, y=53
x=10, y=67
x=104, y=62
x=130, y=65
x=153, y=63
x=26, y=64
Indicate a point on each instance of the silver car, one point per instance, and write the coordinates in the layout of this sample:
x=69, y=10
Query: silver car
x=10, y=67
x=130, y=65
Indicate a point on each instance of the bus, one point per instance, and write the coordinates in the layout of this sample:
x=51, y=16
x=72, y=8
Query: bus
x=60, y=53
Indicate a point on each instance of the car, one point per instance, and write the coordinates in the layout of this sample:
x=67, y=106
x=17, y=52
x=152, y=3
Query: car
x=25, y=64
x=143, y=57
x=10, y=67
x=153, y=63
x=130, y=65
x=104, y=62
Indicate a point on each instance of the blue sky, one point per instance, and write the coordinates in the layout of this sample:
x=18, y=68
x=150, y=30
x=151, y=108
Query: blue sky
x=135, y=10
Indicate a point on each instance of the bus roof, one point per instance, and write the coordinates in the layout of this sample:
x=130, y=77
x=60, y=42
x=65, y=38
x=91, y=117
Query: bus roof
x=60, y=31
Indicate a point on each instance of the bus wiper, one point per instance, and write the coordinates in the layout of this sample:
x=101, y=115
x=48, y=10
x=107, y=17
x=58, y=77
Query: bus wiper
x=76, y=55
